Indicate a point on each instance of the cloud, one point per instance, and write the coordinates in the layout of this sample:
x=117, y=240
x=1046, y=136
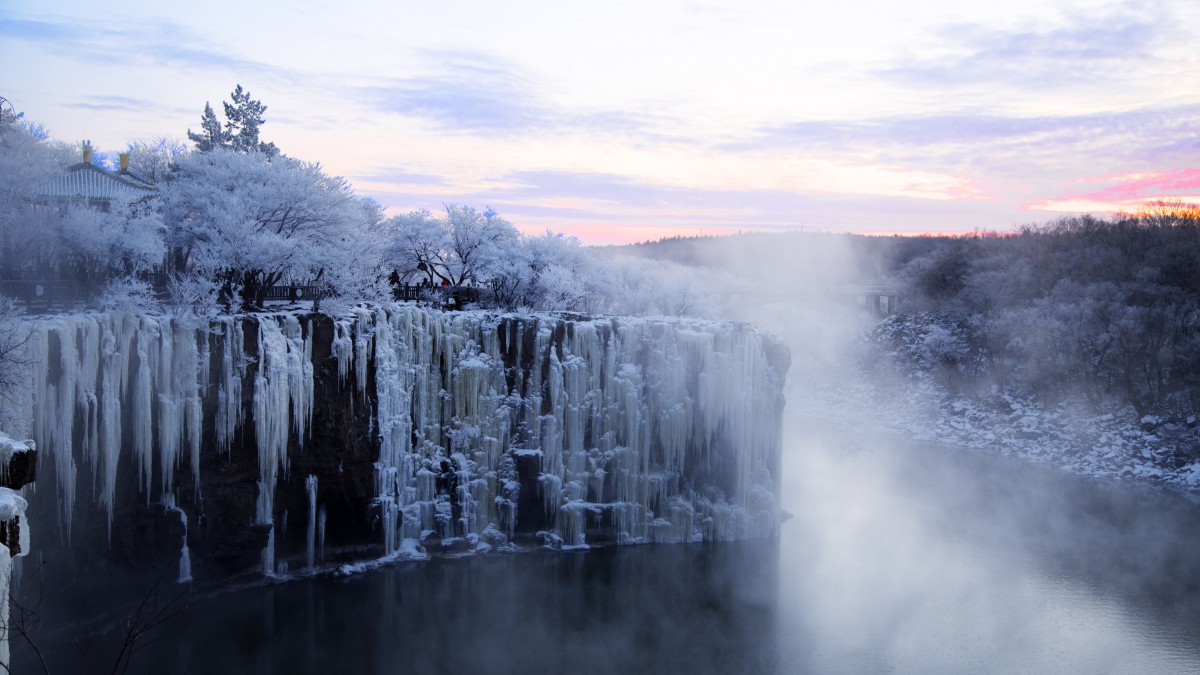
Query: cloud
x=399, y=176
x=578, y=202
x=157, y=42
x=1030, y=152
x=1153, y=185
x=38, y=31
x=1100, y=48
x=113, y=103
x=475, y=92
x=1127, y=193
x=975, y=127
x=464, y=91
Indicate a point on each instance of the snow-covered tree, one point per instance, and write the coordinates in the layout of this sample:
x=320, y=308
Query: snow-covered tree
x=478, y=242
x=15, y=363
x=152, y=159
x=211, y=136
x=96, y=245
x=243, y=117
x=562, y=275
x=416, y=246
x=466, y=248
x=253, y=221
x=27, y=159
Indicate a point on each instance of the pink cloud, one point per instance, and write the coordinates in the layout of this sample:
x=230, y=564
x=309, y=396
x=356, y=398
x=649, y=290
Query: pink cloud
x=1157, y=183
x=1127, y=192
x=601, y=233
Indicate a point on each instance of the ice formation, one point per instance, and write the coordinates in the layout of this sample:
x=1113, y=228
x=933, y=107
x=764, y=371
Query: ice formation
x=613, y=410
x=185, y=554
x=652, y=430
x=310, y=486
x=6, y=566
x=12, y=506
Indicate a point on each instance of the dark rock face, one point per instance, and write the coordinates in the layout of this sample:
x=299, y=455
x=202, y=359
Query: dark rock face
x=429, y=433
x=22, y=470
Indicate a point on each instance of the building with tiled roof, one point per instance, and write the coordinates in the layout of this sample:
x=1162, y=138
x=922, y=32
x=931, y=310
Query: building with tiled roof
x=87, y=182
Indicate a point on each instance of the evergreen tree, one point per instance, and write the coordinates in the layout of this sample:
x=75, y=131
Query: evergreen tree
x=211, y=135
x=243, y=117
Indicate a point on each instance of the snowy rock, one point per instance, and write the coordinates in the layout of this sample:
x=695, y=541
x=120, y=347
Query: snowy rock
x=18, y=462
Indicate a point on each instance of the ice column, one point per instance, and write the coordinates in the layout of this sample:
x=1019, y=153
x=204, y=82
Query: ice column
x=185, y=555
x=310, y=486
x=282, y=384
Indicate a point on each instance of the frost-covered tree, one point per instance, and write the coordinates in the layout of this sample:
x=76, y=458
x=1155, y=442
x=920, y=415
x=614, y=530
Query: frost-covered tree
x=243, y=117
x=252, y=221
x=478, y=243
x=416, y=246
x=15, y=363
x=562, y=274
x=211, y=136
x=96, y=245
x=27, y=159
x=466, y=248
x=153, y=159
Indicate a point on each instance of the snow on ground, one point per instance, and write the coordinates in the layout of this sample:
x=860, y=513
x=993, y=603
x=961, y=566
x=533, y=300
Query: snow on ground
x=1113, y=444
x=847, y=374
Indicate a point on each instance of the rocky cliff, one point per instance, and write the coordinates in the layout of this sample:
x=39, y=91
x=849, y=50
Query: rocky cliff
x=287, y=442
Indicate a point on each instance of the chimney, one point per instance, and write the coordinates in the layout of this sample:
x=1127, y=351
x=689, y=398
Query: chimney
x=124, y=161
x=87, y=152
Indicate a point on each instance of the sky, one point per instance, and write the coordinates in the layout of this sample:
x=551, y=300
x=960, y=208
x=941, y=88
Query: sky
x=630, y=121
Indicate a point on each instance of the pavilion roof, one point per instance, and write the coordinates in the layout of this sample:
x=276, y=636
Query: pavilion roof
x=88, y=181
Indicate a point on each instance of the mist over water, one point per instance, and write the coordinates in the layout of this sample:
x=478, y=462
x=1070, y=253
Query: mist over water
x=931, y=560
x=909, y=558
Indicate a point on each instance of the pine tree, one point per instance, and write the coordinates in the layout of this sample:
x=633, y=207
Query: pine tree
x=211, y=135
x=243, y=117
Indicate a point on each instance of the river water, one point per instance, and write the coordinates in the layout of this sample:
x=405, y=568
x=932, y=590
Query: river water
x=897, y=559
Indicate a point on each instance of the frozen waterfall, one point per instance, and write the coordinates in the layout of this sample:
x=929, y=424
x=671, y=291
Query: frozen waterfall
x=488, y=430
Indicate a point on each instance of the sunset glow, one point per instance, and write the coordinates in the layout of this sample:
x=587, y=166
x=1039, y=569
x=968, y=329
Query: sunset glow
x=630, y=123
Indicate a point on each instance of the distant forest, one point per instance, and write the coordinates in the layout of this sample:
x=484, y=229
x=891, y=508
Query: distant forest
x=1105, y=310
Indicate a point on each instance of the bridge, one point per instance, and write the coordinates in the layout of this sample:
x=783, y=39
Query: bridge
x=878, y=300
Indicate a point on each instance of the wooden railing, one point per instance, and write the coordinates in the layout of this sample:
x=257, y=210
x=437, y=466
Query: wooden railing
x=448, y=296
x=44, y=294
x=295, y=293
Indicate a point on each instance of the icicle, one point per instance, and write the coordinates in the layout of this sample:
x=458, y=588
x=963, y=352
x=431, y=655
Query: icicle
x=185, y=556
x=143, y=387
x=114, y=366
x=321, y=532
x=310, y=486
x=229, y=392
x=6, y=566
x=282, y=383
x=617, y=412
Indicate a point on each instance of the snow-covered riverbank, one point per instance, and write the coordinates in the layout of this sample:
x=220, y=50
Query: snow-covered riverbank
x=856, y=374
x=1110, y=445
x=905, y=399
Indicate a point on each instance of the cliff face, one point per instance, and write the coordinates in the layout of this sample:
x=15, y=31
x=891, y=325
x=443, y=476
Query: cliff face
x=285, y=442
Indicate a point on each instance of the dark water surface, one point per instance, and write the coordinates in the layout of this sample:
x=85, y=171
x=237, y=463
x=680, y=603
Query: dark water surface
x=897, y=560
x=633, y=610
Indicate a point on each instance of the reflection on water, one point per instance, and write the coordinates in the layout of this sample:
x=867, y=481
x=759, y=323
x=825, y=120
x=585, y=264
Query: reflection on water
x=650, y=609
x=898, y=560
